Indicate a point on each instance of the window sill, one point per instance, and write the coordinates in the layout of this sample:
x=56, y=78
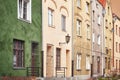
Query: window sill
x=87, y=13
x=87, y=69
x=79, y=7
x=24, y=20
x=78, y=70
x=79, y=36
x=88, y=39
x=98, y=24
x=51, y=26
x=64, y=30
x=19, y=68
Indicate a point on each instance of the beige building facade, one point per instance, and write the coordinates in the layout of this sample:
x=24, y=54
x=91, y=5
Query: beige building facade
x=108, y=38
x=57, y=25
x=116, y=55
x=82, y=39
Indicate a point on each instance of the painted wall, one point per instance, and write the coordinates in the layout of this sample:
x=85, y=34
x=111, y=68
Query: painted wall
x=97, y=30
x=52, y=35
x=13, y=28
x=108, y=36
x=81, y=44
x=117, y=39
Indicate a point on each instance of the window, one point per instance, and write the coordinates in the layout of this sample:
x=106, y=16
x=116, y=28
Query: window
x=106, y=23
x=108, y=10
x=78, y=3
x=18, y=53
x=78, y=27
x=116, y=64
x=50, y=17
x=116, y=46
x=93, y=37
x=99, y=20
x=88, y=62
x=119, y=47
x=93, y=15
x=87, y=7
x=116, y=29
x=98, y=39
x=88, y=31
x=119, y=31
x=78, y=65
x=105, y=62
x=98, y=64
x=63, y=23
x=58, y=58
x=24, y=10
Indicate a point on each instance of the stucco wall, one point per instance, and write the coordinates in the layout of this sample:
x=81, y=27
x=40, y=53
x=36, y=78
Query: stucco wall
x=13, y=28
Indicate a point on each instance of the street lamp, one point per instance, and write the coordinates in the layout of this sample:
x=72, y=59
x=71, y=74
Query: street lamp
x=67, y=40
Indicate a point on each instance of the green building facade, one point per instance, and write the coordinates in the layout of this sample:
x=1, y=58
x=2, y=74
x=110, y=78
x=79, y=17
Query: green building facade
x=20, y=37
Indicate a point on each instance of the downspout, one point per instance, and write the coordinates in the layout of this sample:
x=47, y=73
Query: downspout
x=42, y=39
x=72, y=38
x=92, y=40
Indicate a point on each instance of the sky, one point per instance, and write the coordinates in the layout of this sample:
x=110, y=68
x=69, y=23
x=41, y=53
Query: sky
x=116, y=7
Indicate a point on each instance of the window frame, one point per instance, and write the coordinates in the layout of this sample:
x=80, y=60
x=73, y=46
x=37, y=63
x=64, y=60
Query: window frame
x=63, y=22
x=78, y=27
x=79, y=3
x=24, y=13
x=78, y=62
x=87, y=62
x=18, y=48
x=88, y=32
x=98, y=39
x=50, y=17
x=87, y=7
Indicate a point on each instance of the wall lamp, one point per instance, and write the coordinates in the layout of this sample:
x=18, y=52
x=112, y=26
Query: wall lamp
x=67, y=40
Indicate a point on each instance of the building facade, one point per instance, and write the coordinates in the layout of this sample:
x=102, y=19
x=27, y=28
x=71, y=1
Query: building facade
x=82, y=39
x=116, y=37
x=97, y=38
x=20, y=42
x=108, y=32
x=57, y=25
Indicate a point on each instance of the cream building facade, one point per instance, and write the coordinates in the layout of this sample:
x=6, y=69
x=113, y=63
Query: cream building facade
x=108, y=38
x=57, y=24
x=116, y=55
x=82, y=39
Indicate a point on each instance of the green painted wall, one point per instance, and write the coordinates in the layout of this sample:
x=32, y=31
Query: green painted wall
x=13, y=28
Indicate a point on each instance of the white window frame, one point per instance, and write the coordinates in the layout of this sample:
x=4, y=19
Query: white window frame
x=87, y=7
x=79, y=3
x=93, y=36
x=78, y=62
x=88, y=31
x=78, y=27
x=21, y=10
x=50, y=17
x=87, y=62
x=99, y=20
x=63, y=22
x=98, y=39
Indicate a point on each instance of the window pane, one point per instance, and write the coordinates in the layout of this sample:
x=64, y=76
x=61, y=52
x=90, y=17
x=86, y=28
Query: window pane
x=18, y=55
x=50, y=17
x=63, y=22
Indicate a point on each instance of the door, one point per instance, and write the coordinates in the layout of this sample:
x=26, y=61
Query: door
x=49, y=61
x=35, y=58
x=67, y=63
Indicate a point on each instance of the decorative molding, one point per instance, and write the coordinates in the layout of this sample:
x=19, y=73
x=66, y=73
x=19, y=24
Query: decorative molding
x=76, y=14
x=63, y=7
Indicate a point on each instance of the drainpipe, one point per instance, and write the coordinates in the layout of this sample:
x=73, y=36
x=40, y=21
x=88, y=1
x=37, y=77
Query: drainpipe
x=42, y=39
x=72, y=38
